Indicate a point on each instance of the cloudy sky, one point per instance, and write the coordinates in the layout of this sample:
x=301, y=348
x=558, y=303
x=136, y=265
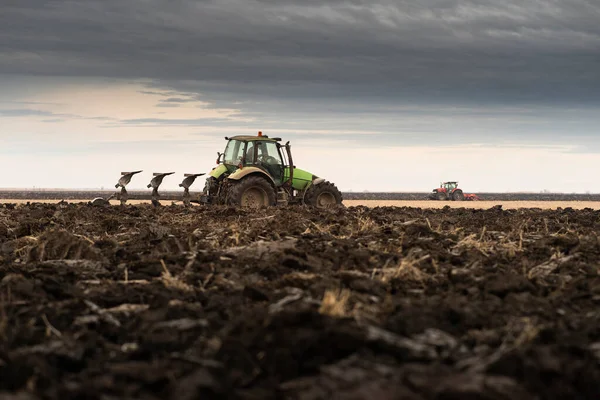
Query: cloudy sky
x=373, y=95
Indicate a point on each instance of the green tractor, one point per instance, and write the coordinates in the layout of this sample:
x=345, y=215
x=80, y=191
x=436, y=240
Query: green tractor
x=258, y=171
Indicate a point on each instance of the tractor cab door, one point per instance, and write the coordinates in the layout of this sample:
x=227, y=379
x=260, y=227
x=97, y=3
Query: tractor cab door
x=269, y=159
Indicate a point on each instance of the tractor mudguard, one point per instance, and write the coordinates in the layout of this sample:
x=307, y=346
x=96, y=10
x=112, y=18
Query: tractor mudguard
x=243, y=172
x=314, y=182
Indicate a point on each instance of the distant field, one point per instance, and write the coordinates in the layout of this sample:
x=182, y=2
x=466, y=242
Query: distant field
x=483, y=196
x=549, y=205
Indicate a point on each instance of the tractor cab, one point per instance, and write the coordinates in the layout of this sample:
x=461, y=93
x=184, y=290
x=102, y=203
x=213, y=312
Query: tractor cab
x=256, y=151
x=449, y=186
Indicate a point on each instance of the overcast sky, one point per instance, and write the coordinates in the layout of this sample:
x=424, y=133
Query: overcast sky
x=374, y=95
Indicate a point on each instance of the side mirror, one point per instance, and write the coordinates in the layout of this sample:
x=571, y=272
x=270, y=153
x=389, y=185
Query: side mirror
x=219, y=157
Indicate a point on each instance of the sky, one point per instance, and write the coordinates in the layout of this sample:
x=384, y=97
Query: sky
x=373, y=95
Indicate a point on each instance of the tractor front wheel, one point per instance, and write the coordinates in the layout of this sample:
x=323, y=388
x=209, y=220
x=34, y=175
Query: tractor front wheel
x=441, y=196
x=458, y=195
x=252, y=192
x=323, y=195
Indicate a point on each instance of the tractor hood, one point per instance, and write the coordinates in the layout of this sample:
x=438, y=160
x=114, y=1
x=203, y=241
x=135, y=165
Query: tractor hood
x=300, y=179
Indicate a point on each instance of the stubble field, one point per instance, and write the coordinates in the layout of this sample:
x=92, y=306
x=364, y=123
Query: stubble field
x=351, y=303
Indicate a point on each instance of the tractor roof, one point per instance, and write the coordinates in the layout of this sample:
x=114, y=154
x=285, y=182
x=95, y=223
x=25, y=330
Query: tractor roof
x=451, y=182
x=248, y=138
x=251, y=138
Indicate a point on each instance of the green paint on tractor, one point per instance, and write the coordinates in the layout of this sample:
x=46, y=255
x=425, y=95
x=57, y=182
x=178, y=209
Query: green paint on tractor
x=218, y=171
x=300, y=179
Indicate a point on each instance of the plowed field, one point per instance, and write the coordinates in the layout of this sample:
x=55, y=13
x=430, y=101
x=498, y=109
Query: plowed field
x=289, y=303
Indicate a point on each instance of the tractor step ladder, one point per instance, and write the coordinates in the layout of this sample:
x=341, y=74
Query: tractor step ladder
x=282, y=198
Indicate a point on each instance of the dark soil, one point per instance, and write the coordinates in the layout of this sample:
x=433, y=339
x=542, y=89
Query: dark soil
x=288, y=303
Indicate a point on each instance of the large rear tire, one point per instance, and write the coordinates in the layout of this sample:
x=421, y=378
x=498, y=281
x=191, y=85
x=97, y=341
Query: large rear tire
x=252, y=192
x=458, y=195
x=323, y=195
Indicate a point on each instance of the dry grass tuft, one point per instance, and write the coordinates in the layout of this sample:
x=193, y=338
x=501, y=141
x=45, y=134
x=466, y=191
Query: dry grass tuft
x=488, y=243
x=366, y=225
x=520, y=332
x=335, y=303
x=529, y=333
x=171, y=281
x=57, y=244
x=23, y=244
x=407, y=270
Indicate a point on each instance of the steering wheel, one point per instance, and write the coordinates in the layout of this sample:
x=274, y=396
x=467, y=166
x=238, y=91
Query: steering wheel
x=268, y=159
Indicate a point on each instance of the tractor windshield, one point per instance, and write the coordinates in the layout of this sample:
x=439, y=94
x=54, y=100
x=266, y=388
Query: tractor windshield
x=234, y=152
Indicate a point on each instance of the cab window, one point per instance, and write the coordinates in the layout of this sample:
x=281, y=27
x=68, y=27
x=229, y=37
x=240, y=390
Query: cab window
x=268, y=153
x=234, y=152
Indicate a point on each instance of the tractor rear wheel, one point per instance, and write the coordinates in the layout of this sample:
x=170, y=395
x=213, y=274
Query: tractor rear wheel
x=441, y=196
x=458, y=195
x=252, y=192
x=323, y=195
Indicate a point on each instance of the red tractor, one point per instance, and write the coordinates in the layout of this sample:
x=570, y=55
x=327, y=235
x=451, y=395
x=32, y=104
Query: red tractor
x=450, y=191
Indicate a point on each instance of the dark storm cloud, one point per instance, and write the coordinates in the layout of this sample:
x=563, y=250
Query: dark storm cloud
x=513, y=50
x=434, y=72
x=152, y=93
x=56, y=117
x=172, y=102
x=168, y=105
x=26, y=103
x=25, y=112
x=177, y=100
x=210, y=122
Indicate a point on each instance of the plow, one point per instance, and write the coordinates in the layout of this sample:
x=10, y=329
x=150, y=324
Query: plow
x=471, y=197
x=253, y=171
